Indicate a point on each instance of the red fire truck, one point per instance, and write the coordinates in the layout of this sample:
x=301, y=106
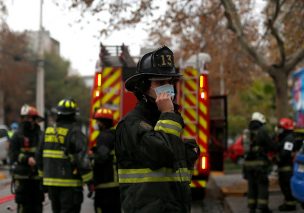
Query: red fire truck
x=116, y=64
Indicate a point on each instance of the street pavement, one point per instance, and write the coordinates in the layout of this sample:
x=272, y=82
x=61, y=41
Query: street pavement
x=232, y=188
x=226, y=193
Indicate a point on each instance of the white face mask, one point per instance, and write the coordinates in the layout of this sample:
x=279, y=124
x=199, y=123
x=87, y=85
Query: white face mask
x=167, y=88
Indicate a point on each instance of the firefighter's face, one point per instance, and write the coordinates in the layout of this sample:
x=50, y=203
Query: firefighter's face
x=28, y=122
x=101, y=125
x=155, y=84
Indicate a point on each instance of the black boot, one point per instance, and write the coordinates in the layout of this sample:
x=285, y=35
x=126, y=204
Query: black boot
x=285, y=207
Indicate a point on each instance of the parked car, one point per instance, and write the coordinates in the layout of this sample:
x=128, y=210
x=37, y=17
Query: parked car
x=4, y=144
x=236, y=150
x=297, y=180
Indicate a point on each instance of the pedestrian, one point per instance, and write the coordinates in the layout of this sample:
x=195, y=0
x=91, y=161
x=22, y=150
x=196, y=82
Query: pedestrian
x=257, y=164
x=63, y=161
x=26, y=183
x=285, y=152
x=153, y=160
x=107, y=198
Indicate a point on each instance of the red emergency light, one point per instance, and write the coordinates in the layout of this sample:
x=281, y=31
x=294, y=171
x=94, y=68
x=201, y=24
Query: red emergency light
x=203, y=164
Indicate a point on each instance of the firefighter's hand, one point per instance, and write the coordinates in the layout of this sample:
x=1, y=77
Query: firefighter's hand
x=31, y=161
x=91, y=189
x=164, y=102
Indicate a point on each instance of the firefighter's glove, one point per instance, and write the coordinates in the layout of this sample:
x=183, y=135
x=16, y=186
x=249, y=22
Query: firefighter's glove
x=91, y=189
x=192, y=152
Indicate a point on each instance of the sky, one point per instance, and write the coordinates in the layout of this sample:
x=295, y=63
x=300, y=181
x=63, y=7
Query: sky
x=79, y=45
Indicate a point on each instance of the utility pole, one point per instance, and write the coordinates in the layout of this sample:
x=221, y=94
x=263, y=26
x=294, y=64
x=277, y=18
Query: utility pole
x=40, y=67
x=1, y=106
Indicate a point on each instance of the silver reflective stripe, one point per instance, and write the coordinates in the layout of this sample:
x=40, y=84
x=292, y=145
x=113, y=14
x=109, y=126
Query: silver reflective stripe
x=254, y=163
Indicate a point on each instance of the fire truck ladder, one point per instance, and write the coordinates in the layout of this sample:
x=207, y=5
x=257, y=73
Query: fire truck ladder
x=115, y=56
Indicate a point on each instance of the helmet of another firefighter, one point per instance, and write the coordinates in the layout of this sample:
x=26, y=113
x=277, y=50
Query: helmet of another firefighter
x=104, y=117
x=158, y=64
x=30, y=111
x=257, y=116
x=66, y=106
x=103, y=113
x=286, y=123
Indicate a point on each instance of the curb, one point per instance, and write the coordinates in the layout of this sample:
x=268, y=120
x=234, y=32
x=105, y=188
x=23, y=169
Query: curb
x=232, y=189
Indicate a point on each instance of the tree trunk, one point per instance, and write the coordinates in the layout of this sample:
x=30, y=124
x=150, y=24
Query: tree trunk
x=281, y=86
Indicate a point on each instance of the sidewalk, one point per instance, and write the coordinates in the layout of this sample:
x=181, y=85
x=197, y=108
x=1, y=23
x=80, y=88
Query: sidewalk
x=232, y=189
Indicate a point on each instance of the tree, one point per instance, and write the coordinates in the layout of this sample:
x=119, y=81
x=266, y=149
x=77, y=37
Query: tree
x=261, y=91
x=273, y=58
x=16, y=74
x=59, y=85
x=195, y=24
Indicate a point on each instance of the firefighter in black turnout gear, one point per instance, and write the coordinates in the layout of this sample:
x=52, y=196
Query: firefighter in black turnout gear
x=25, y=180
x=63, y=161
x=257, y=165
x=285, y=153
x=107, y=199
x=153, y=160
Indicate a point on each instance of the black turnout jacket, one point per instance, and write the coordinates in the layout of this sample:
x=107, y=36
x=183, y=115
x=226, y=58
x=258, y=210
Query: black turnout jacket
x=154, y=162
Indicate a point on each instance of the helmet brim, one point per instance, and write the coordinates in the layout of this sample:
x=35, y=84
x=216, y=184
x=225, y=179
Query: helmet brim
x=130, y=83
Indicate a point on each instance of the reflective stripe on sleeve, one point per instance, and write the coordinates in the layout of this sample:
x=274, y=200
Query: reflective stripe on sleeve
x=254, y=163
x=61, y=182
x=20, y=157
x=26, y=177
x=28, y=149
x=40, y=173
x=169, y=126
x=87, y=177
x=107, y=185
x=285, y=169
x=148, y=175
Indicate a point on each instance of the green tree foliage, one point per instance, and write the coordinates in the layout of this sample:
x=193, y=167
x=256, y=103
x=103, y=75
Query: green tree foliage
x=258, y=97
x=59, y=85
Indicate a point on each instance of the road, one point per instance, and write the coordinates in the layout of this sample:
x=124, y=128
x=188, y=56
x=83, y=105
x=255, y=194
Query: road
x=7, y=204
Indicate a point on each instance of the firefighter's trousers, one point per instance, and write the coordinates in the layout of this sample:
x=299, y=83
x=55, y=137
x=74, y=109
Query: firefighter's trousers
x=258, y=184
x=65, y=199
x=107, y=200
x=284, y=181
x=29, y=195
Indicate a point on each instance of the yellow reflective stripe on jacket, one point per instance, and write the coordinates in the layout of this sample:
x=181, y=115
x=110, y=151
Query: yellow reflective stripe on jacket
x=291, y=203
x=52, y=136
x=25, y=177
x=40, y=173
x=285, y=169
x=87, y=177
x=48, y=153
x=53, y=139
x=169, y=126
x=29, y=149
x=61, y=182
x=20, y=157
x=60, y=131
x=107, y=185
x=262, y=201
x=254, y=163
x=148, y=175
